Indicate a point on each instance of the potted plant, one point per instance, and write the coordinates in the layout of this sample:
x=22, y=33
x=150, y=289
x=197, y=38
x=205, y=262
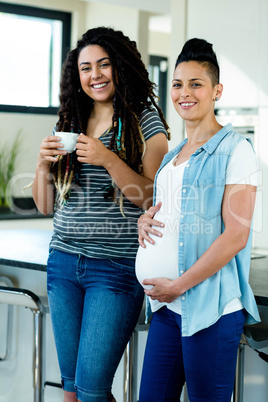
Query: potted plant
x=8, y=158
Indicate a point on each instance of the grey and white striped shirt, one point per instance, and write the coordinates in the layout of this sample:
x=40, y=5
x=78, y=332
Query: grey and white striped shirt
x=93, y=226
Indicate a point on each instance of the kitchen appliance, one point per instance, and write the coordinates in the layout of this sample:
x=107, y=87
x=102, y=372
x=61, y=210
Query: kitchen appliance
x=244, y=120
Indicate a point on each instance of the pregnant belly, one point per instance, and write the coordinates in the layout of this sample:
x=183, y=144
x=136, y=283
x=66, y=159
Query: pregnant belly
x=159, y=259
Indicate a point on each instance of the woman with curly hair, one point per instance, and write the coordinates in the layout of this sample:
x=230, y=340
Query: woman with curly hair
x=99, y=192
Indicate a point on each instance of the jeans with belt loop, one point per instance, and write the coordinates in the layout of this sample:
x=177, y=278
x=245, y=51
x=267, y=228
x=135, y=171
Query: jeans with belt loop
x=94, y=306
x=205, y=360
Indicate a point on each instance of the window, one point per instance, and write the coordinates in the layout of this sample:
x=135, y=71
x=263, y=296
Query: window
x=33, y=42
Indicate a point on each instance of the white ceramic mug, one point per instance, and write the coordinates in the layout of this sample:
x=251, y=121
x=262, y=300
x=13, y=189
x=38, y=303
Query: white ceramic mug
x=69, y=141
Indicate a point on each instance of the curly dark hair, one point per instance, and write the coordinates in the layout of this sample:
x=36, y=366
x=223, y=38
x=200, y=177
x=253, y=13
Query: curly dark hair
x=133, y=92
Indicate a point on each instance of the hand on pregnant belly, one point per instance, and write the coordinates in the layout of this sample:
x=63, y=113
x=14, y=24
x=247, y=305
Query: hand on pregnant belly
x=147, y=224
x=164, y=289
x=157, y=256
x=157, y=268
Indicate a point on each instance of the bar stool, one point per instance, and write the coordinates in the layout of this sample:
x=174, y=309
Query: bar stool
x=130, y=359
x=256, y=337
x=4, y=281
x=24, y=297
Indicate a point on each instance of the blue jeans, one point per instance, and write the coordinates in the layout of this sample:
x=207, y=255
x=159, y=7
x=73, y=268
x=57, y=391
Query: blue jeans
x=206, y=360
x=94, y=306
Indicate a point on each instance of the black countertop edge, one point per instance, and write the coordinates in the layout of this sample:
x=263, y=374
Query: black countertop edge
x=14, y=216
x=261, y=300
x=22, y=264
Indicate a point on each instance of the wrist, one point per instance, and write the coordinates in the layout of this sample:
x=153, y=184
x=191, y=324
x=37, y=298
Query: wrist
x=42, y=164
x=110, y=160
x=177, y=287
x=43, y=169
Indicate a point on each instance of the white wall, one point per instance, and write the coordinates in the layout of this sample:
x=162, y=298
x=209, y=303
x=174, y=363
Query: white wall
x=233, y=28
x=156, y=6
x=239, y=33
x=262, y=236
x=177, y=38
x=133, y=22
x=34, y=128
x=159, y=43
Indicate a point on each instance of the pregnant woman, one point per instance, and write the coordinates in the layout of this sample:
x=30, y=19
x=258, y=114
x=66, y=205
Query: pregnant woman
x=195, y=245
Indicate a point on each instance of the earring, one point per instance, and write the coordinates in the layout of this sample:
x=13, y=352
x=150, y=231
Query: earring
x=79, y=90
x=216, y=99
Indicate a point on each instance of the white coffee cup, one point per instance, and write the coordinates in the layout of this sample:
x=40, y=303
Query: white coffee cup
x=69, y=140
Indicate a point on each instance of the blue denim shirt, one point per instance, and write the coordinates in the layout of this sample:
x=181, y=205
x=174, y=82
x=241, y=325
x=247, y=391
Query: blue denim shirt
x=200, y=225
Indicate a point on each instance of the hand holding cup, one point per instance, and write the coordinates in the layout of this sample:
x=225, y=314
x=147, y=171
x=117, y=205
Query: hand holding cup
x=68, y=140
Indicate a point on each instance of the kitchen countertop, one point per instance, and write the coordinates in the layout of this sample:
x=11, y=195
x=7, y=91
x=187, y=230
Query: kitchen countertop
x=15, y=246
x=10, y=215
x=25, y=248
x=258, y=279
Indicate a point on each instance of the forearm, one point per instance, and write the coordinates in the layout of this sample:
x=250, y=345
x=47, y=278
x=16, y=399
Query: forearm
x=43, y=190
x=137, y=188
x=222, y=250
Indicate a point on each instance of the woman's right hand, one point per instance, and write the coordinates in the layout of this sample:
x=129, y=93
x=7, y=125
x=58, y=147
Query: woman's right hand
x=49, y=151
x=145, y=223
x=43, y=190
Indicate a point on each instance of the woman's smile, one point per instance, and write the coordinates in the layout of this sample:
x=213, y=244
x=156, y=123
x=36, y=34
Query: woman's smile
x=187, y=105
x=100, y=85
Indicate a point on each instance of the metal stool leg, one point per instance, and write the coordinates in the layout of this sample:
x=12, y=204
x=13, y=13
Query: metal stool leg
x=37, y=356
x=238, y=394
x=128, y=371
x=185, y=394
x=26, y=298
x=4, y=281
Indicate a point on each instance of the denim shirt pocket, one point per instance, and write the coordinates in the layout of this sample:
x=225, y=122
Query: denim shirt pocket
x=208, y=197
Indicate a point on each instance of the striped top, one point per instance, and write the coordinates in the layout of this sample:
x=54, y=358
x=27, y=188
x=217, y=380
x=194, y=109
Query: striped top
x=93, y=226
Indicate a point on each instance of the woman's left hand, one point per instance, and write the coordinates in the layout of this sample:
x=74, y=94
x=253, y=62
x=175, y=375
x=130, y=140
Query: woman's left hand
x=163, y=290
x=92, y=151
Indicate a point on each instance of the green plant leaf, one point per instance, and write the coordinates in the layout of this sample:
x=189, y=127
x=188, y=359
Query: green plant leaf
x=8, y=159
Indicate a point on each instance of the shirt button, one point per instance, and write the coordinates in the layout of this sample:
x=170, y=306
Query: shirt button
x=183, y=298
x=187, y=165
x=184, y=190
x=181, y=271
x=182, y=216
x=181, y=244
